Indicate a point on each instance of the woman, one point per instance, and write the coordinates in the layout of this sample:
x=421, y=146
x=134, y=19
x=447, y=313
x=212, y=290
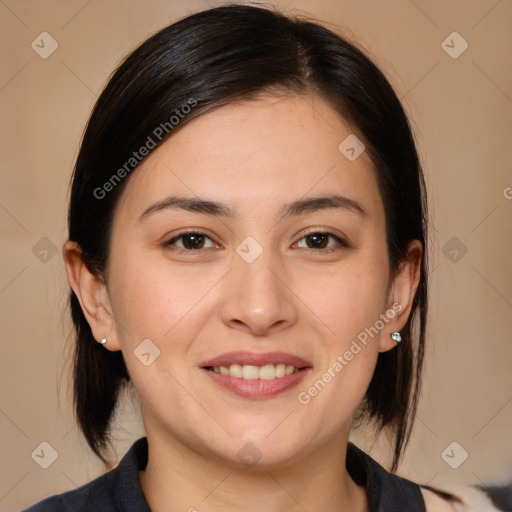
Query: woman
x=248, y=247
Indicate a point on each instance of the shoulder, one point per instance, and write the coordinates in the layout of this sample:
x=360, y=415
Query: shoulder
x=437, y=501
x=388, y=491
x=96, y=495
x=467, y=498
x=385, y=491
x=119, y=489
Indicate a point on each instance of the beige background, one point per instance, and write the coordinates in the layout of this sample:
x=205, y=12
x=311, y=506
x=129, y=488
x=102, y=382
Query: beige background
x=461, y=111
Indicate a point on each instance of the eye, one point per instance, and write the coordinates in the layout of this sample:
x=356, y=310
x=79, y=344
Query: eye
x=195, y=241
x=191, y=240
x=321, y=240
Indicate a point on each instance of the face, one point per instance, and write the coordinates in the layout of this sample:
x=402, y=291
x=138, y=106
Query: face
x=252, y=253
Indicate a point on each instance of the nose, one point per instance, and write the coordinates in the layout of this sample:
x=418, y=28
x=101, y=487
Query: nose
x=257, y=298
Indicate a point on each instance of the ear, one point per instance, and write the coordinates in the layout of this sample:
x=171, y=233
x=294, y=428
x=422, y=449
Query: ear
x=92, y=294
x=401, y=294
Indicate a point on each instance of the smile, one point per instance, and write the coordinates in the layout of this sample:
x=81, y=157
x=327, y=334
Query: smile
x=251, y=372
x=256, y=376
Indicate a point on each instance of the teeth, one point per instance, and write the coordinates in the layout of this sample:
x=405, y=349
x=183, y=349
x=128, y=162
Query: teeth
x=235, y=370
x=267, y=372
x=251, y=372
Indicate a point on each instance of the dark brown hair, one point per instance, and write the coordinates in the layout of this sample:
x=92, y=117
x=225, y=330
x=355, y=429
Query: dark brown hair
x=209, y=59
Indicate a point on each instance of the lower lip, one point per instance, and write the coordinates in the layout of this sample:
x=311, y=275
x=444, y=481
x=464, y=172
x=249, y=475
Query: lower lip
x=256, y=388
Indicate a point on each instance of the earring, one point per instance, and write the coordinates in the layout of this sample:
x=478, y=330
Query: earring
x=103, y=341
x=396, y=337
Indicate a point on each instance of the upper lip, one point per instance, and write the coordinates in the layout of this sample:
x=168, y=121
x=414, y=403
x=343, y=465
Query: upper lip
x=256, y=359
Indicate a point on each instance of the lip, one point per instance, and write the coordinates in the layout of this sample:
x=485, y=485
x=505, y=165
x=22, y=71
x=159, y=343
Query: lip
x=256, y=359
x=257, y=389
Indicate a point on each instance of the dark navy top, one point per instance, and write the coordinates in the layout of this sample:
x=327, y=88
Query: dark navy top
x=119, y=490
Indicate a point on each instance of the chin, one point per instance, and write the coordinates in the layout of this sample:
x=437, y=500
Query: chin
x=261, y=455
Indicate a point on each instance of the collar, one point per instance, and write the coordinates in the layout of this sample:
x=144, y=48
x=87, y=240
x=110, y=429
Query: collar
x=128, y=494
x=385, y=491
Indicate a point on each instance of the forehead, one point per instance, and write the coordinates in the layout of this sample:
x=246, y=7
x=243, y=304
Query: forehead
x=256, y=154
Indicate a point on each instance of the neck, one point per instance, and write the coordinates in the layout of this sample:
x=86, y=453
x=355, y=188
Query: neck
x=179, y=478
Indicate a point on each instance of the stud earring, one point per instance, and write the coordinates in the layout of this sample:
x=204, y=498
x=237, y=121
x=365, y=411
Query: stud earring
x=396, y=337
x=103, y=341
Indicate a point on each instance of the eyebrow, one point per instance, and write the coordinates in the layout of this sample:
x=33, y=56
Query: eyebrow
x=298, y=207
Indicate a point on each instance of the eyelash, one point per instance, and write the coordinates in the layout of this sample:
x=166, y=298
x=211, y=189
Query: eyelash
x=340, y=241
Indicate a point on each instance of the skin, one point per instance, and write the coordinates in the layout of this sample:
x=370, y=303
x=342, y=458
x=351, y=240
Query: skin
x=296, y=297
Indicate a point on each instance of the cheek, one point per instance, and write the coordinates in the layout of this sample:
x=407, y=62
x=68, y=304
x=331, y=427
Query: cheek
x=175, y=308
x=169, y=308
x=348, y=300
x=349, y=303
x=152, y=301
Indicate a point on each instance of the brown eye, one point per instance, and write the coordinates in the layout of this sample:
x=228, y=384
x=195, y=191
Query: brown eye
x=193, y=241
x=317, y=240
x=190, y=241
x=320, y=240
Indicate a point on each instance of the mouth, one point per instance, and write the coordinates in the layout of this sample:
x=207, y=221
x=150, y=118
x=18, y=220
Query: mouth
x=252, y=372
x=256, y=376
